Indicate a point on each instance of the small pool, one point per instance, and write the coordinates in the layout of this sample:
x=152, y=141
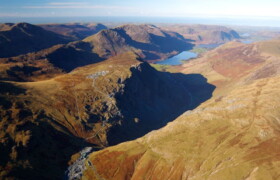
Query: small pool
x=177, y=60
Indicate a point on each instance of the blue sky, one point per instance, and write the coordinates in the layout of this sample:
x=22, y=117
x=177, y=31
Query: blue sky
x=146, y=8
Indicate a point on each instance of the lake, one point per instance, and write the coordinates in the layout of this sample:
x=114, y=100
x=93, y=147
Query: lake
x=177, y=60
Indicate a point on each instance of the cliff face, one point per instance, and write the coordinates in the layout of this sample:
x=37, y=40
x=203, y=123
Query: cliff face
x=45, y=122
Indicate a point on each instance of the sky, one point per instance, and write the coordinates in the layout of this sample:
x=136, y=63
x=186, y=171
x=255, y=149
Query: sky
x=145, y=8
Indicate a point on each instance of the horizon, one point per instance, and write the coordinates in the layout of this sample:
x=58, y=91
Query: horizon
x=226, y=21
x=246, y=12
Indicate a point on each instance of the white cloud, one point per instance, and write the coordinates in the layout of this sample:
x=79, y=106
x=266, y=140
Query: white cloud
x=77, y=7
x=66, y=3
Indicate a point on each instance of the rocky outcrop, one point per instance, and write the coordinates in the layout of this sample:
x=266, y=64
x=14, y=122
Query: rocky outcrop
x=233, y=137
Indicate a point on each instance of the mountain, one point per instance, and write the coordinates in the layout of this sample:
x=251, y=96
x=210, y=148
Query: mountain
x=236, y=63
x=22, y=38
x=204, y=34
x=234, y=135
x=152, y=42
x=76, y=31
x=44, y=123
x=149, y=42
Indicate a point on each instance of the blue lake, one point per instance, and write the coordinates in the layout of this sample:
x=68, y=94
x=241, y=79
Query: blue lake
x=177, y=60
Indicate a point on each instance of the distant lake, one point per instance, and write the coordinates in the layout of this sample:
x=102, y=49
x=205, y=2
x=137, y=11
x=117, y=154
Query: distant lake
x=177, y=60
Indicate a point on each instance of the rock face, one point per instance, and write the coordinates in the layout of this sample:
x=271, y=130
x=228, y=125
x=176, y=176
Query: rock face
x=75, y=31
x=234, y=135
x=205, y=34
x=22, y=38
x=43, y=123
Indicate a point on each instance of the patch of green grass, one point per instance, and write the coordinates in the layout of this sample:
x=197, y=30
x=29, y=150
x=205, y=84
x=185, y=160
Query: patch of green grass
x=160, y=67
x=199, y=50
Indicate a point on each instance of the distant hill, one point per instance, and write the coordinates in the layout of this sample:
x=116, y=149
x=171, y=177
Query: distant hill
x=149, y=42
x=153, y=42
x=76, y=31
x=204, y=34
x=22, y=38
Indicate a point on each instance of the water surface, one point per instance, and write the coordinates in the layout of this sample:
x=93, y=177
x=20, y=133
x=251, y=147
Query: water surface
x=177, y=60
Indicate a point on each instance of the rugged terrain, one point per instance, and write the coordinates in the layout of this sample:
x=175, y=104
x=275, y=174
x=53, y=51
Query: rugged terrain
x=149, y=42
x=204, y=34
x=43, y=123
x=234, y=135
x=22, y=38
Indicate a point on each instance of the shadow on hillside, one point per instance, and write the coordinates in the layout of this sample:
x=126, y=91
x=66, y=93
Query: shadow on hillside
x=166, y=44
x=150, y=103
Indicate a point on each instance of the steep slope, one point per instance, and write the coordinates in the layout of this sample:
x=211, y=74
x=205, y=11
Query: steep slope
x=236, y=63
x=22, y=38
x=154, y=43
x=47, y=63
x=147, y=41
x=43, y=123
x=205, y=34
x=233, y=137
x=76, y=31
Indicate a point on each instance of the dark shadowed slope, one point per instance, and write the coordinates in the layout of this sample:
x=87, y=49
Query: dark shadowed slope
x=152, y=42
x=43, y=123
x=149, y=42
x=235, y=135
x=22, y=38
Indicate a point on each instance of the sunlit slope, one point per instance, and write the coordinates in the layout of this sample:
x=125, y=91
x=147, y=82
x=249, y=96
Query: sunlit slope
x=233, y=137
x=235, y=63
x=148, y=41
x=44, y=123
x=204, y=34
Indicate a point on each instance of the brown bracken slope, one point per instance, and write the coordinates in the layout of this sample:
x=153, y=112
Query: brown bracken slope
x=149, y=42
x=43, y=123
x=234, y=135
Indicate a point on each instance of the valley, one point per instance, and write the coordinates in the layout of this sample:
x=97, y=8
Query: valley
x=138, y=101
